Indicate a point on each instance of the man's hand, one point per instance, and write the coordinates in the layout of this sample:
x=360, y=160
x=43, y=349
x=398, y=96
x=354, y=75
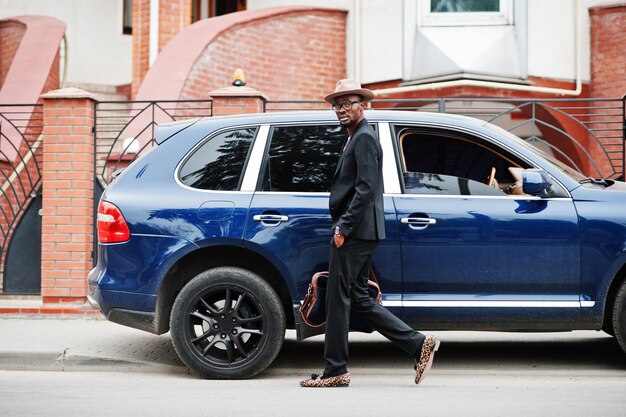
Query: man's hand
x=338, y=237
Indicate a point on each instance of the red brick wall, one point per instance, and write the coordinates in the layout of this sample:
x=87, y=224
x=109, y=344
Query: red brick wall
x=174, y=16
x=11, y=34
x=141, y=43
x=293, y=56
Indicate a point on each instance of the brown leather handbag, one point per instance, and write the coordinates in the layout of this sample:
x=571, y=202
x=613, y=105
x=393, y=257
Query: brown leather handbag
x=313, y=308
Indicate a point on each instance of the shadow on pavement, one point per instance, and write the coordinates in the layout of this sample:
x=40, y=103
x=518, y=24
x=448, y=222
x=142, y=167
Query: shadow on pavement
x=478, y=351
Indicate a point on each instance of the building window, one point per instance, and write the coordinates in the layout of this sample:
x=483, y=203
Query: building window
x=465, y=39
x=202, y=9
x=464, y=6
x=466, y=12
x=127, y=17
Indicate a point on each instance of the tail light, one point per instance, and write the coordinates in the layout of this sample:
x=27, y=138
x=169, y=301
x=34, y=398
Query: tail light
x=112, y=227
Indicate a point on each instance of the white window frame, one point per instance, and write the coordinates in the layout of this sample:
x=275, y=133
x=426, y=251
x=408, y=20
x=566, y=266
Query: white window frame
x=428, y=18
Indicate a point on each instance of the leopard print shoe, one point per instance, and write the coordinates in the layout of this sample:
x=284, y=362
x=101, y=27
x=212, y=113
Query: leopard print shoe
x=429, y=347
x=316, y=381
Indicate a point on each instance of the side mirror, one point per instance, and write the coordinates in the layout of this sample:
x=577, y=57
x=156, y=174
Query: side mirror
x=536, y=182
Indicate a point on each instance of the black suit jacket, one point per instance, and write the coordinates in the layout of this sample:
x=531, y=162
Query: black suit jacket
x=356, y=191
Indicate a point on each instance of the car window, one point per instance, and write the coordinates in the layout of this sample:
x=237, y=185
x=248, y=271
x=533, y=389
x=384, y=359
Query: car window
x=568, y=170
x=426, y=183
x=218, y=163
x=302, y=158
x=441, y=162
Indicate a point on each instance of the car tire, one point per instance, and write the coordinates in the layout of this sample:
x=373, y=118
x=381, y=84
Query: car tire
x=227, y=323
x=619, y=317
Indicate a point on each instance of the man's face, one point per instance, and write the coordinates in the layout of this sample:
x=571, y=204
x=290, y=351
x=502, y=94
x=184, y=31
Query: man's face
x=350, y=117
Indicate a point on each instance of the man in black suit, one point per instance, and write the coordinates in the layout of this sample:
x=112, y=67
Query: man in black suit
x=356, y=207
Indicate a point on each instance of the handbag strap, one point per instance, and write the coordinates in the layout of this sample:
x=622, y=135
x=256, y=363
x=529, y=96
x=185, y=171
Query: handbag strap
x=372, y=277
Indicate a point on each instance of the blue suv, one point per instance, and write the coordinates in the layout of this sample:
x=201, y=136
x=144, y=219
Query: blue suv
x=215, y=233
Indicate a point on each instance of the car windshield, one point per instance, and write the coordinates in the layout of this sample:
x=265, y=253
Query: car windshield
x=571, y=172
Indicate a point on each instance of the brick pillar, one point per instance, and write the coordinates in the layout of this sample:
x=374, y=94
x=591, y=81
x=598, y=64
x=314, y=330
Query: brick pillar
x=68, y=195
x=608, y=78
x=608, y=43
x=141, y=43
x=174, y=16
x=237, y=100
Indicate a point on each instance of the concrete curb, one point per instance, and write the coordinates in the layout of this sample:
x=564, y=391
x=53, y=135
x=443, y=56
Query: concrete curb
x=79, y=344
x=64, y=361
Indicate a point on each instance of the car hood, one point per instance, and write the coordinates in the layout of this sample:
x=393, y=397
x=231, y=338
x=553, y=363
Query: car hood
x=617, y=186
x=616, y=192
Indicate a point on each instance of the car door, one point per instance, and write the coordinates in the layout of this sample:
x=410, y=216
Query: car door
x=289, y=222
x=471, y=253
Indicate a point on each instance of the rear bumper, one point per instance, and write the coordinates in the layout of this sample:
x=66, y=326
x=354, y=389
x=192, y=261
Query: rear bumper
x=141, y=320
x=93, y=302
x=110, y=304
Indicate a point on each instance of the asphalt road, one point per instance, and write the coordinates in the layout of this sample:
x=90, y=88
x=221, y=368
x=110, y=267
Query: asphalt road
x=475, y=374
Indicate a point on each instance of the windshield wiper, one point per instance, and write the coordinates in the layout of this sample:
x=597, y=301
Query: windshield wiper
x=597, y=181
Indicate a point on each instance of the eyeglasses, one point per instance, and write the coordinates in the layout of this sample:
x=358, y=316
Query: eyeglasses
x=346, y=105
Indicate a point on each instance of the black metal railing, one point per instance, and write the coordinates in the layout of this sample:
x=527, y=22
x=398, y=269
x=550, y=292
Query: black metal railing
x=588, y=134
x=126, y=129
x=20, y=149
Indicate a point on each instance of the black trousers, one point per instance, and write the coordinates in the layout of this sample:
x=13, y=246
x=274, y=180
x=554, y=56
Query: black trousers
x=347, y=290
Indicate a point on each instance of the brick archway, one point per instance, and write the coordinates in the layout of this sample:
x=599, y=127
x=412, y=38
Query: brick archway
x=285, y=52
x=567, y=138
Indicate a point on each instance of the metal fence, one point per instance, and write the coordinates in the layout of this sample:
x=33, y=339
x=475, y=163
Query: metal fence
x=587, y=131
x=588, y=134
x=126, y=129
x=20, y=155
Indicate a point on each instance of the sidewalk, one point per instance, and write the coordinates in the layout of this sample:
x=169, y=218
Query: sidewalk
x=40, y=342
x=47, y=343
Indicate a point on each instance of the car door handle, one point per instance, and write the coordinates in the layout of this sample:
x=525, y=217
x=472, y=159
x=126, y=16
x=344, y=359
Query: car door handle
x=270, y=220
x=418, y=223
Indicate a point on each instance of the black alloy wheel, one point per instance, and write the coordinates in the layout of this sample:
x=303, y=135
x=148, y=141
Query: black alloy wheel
x=227, y=323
